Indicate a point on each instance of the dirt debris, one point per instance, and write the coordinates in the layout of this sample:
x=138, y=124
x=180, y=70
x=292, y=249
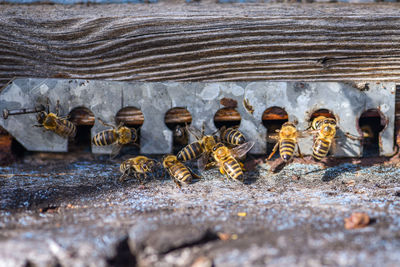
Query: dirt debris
x=357, y=220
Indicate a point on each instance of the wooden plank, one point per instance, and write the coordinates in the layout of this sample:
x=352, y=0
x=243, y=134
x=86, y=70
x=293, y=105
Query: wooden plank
x=201, y=42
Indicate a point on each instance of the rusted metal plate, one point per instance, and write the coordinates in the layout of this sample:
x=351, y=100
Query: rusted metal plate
x=106, y=98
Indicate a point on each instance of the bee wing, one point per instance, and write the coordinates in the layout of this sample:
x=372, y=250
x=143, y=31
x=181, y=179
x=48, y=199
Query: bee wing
x=309, y=132
x=194, y=131
x=305, y=133
x=194, y=175
x=116, y=148
x=242, y=149
x=202, y=162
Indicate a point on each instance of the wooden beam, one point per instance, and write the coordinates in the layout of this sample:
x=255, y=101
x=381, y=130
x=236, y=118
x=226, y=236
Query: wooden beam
x=201, y=42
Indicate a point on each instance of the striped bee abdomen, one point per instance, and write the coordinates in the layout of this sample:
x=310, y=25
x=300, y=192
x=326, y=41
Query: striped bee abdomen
x=233, y=137
x=180, y=172
x=105, y=138
x=233, y=169
x=286, y=149
x=65, y=128
x=320, y=148
x=190, y=151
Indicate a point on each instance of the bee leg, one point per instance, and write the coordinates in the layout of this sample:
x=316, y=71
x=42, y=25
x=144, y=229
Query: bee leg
x=122, y=178
x=48, y=106
x=353, y=137
x=58, y=108
x=242, y=166
x=105, y=124
x=144, y=177
x=139, y=177
x=67, y=117
x=299, y=152
x=177, y=183
x=37, y=125
x=210, y=165
x=124, y=175
x=221, y=170
x=203, y=129
x=193, y=174
x=273, y=151
x=135, y=144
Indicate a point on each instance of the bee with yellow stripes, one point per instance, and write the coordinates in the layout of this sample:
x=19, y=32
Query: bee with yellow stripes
x=227, y=159
x=325, y=129
x=231, y=136
x=201, y=147
x=139, y=166
x=287, y=142
x=52, y=122
x=116, y=136
x=177, y=170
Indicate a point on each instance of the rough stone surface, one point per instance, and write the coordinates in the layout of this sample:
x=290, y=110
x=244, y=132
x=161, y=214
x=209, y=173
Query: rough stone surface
x=57, y=209
x=202, y=100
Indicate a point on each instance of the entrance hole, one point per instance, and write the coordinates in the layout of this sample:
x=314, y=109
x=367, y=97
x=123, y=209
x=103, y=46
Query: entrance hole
x=370, y=124
x=83, y=118
x=176, y=120
x=227, y=117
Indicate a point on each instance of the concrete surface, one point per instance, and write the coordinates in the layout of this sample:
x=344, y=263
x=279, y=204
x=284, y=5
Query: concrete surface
x=59, y=210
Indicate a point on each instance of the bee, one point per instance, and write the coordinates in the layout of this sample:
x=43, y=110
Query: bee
x=139, y=166
x=201, y=147
x=117, y=136
x=180, y=135
x=52, y=122
x=226, y=159
x=177, y=170
x=325, y=129
x=367, y=132
x=247, y=106
x=231, y=136
x=287, y=143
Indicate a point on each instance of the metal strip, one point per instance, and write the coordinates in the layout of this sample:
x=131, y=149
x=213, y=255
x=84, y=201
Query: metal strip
x=106, y=98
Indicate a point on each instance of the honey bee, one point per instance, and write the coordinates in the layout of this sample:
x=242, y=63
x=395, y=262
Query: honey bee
x=231, y=136
x=52, y=122
x=249, y=108
x=117, y=136
x=139, y=166
x=367, y=132
x=201, y=147
x=287, y=143
x=177, y=170
x=227, y=159
x=180, y=135
x=325, y=129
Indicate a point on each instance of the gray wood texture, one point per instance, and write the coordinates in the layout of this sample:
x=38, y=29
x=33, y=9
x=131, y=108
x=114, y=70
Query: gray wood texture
x=201, y=42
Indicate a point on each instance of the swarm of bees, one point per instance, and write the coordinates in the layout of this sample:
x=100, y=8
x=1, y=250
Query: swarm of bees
x=223, y=149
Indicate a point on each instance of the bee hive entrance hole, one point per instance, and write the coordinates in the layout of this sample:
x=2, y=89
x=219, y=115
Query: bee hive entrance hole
x=176, y=120
x=370, y=124
x=272, y=119
x=227, y=117
x=83, y=118
x=131, y=117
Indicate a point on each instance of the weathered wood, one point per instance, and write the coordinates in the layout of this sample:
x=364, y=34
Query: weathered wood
x=201, y=42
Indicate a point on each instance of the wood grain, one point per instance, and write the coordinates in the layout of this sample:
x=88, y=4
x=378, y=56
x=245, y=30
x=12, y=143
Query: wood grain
x=201, y=42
